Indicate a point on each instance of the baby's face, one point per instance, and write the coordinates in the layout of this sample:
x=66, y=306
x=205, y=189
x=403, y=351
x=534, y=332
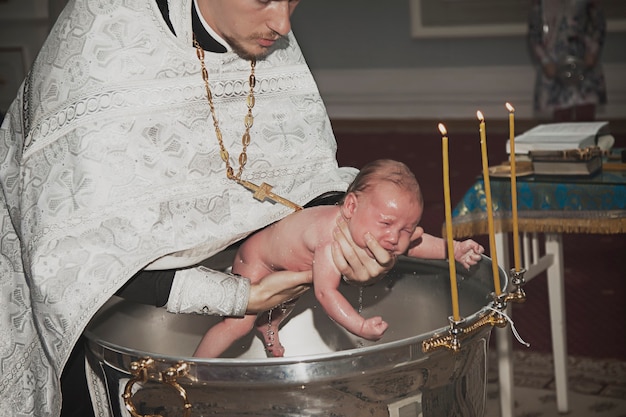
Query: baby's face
x=389, y=214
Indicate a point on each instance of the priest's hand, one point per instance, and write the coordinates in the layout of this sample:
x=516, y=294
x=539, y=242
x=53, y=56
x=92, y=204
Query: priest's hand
x=359, y=266
x=277, y=288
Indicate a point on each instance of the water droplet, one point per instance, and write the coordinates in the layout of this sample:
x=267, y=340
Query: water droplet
x=360, y=299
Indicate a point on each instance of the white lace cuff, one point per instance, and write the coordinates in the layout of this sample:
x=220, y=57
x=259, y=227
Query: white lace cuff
x=204, y=291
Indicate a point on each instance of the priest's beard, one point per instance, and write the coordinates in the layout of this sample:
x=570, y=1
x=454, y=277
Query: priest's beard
x=245, y=53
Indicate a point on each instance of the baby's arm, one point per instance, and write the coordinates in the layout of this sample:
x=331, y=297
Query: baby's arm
x=467, y=252
x=326, y=279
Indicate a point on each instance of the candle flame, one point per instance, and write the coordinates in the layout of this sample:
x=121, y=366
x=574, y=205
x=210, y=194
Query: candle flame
x=510, y=108
x=442, y=129
x=480, y=116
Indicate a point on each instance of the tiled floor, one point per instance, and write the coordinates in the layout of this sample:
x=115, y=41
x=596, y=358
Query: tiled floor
x=597, y=388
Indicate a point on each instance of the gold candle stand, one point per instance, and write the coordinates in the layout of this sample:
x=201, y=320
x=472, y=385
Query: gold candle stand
x=495, y=317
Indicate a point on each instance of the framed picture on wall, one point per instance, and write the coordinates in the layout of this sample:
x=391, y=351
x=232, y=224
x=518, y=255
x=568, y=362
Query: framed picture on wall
x=463, y=18
x=12, y=73
x=23, y=9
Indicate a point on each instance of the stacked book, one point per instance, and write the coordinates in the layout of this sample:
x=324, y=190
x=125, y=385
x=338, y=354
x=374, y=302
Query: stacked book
x=564, y=148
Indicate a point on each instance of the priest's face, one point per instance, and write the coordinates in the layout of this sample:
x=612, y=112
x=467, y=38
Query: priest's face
x=251, y=27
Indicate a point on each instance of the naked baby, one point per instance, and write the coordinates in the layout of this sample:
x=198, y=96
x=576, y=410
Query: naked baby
x=384, y=202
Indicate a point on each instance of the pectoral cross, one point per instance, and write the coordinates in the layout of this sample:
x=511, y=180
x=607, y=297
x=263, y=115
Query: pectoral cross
x=264, y=192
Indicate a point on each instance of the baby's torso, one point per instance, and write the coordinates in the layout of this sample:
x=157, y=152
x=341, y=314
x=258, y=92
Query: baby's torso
x=291, y=243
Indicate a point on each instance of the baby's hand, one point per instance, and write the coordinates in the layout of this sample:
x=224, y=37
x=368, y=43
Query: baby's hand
x=373, y=328
x=468, y=252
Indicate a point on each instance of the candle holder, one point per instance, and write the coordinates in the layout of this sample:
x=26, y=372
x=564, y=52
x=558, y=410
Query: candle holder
x=450, y=341
x=498, y=317
x=518, y=295
x=456, y=331
x=495, y=317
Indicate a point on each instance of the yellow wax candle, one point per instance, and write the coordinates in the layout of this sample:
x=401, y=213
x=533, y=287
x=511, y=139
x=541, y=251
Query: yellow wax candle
x=489, y=204
x=516, y=249
x=448, y=210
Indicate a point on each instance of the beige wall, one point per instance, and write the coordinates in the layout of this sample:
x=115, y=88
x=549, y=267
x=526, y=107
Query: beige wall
x=445, y=93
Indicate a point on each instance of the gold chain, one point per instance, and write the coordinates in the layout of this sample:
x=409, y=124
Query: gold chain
x=262, y=192
x=248, y=119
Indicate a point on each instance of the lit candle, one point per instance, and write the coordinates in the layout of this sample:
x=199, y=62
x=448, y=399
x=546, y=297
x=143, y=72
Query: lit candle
x=488, y=203
x=449, y=239
x=516, y=250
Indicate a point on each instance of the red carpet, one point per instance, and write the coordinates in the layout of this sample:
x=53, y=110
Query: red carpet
x=595, y=265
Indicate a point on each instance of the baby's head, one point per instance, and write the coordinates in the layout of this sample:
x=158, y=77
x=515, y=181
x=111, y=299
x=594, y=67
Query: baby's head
x=385, y=200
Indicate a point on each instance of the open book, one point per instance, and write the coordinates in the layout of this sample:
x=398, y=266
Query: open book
x=560, y=137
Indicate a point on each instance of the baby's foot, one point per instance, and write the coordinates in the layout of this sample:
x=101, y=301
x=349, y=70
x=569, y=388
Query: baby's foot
x=273, y=347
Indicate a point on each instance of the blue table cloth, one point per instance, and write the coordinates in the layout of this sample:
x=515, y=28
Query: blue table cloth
x=548, y=204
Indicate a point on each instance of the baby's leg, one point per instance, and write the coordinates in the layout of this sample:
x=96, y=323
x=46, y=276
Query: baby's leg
x=223, y=334
x=268, y=323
